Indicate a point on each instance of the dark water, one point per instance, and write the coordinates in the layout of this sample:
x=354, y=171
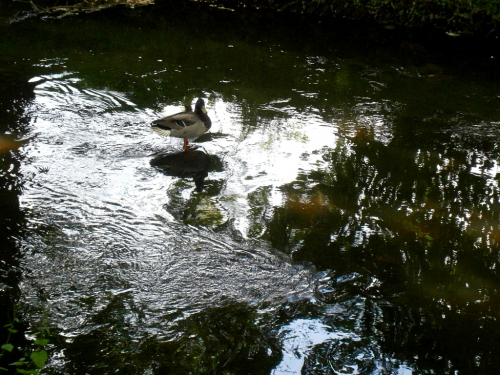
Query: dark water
x=341, y=217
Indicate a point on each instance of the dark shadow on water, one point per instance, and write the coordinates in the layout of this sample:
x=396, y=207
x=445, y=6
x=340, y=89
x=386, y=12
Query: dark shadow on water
x=15, y=95
x=186, y=164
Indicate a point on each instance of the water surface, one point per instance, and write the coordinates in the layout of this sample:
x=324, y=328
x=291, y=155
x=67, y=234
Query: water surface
x=341, y=217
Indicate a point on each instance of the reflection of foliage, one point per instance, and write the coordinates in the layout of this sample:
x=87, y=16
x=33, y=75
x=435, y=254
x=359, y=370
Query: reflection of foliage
x=198, y=210
x=223, y=340
x=107, y=345
x=414, y=222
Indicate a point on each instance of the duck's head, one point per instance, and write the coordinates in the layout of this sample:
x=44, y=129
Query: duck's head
x=200, y=106
x=200, y=109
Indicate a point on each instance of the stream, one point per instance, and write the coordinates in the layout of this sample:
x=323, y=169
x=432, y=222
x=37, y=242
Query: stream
x=341, y=216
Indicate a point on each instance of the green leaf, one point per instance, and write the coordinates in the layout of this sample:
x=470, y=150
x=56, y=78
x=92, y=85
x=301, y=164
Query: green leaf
x=39, y=358
x=21, y=371
x=42, y=342
x=12, y=330
x=7, y=347
x=3, y=369
x=18, y=363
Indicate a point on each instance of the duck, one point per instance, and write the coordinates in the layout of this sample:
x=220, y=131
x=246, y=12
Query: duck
x=187, y=124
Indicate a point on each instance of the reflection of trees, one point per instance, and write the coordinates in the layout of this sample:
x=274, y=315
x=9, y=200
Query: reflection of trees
x=199, y=208
x=223, y=340
x=413, y=226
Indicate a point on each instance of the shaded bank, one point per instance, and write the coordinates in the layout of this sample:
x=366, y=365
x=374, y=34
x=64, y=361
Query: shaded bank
x=455, y=16
x=473, y=48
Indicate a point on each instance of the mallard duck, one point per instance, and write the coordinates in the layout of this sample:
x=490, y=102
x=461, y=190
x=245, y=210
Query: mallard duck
x=187, y=124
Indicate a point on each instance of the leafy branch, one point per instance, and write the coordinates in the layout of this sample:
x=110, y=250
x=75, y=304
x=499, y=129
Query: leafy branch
x=38, y=356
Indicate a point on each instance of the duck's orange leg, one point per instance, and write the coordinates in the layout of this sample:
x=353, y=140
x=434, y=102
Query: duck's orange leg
x=186, y=146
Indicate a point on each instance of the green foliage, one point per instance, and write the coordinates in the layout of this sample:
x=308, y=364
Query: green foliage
x=38, y=356
x=8, y=347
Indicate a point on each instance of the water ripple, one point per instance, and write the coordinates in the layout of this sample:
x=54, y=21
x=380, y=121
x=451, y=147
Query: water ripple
x=101, y=237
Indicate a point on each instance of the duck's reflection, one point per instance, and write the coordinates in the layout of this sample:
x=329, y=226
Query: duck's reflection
x=185, y=164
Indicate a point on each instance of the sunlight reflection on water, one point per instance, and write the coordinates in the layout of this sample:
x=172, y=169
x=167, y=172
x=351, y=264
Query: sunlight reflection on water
x=101, y=227
x=270, y=155
x=299, y=337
